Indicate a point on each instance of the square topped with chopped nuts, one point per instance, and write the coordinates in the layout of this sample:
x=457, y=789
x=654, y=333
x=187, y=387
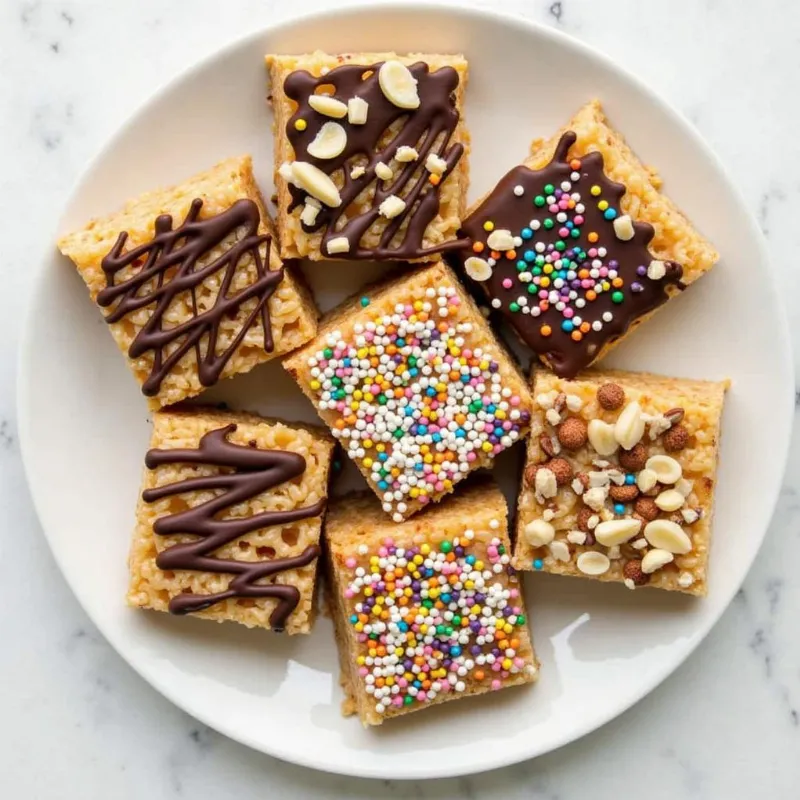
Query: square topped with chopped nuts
x=370, y=154
x=619, y=479
x=578, y=246
x=191, y=285
x=425, y=611
x=412, y=381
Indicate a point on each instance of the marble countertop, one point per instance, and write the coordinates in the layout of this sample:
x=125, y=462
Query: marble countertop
x=76, y=720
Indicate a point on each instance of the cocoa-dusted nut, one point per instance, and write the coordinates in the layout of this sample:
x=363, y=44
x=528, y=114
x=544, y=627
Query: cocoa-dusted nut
x=546, y=445
x=529, y=475
x=647, y=508
x=624, y=494
x=611, y=396
x=634, y=459
x=583, y=518
x=633, y=571
x=675, y=439
x=572, y=433
x=562, y=469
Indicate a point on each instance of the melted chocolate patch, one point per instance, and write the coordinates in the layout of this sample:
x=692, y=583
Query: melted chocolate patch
x=166, y=268
x=428, y=129
x=570, y=283
x=253, y=472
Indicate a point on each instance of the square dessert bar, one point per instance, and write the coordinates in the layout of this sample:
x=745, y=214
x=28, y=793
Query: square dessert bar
x=411, y=380
x=228, y=523
x=370, y=154
x=190, y=283
x=428, y=610
x=619, y=480
x=577, y=246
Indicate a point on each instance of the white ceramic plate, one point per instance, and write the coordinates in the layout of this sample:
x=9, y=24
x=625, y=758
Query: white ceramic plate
x=84, y=425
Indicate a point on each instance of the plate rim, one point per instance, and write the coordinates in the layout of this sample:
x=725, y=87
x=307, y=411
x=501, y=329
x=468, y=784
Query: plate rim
x=534, y=28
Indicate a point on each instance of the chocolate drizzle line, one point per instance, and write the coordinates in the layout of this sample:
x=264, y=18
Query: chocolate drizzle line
x=168, y=267
x=437, y=116
x=507, y=210
x=254, y=471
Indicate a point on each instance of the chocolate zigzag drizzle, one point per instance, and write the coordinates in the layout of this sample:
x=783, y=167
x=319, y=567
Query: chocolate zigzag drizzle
x=572, y=282
x=431, y=125
x=255, y=471
x=169, y=260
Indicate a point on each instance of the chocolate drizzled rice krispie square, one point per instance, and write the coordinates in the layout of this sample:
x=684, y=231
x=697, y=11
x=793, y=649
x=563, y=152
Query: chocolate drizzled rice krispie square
x=191, y=284
x=370, y=154
x=578, y=246
x=412, y=381
x=216, y=441
x=427, y=610
x=620, y=478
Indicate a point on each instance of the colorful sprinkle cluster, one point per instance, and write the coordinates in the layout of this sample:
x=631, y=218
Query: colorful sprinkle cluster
x=431, y=618
x=417, y=406
x=566, y=274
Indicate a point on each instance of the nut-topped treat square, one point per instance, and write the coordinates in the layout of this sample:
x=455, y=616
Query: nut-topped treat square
x=578, y=246
x=229, y=518
x=411, y=380
x=370, y=154
x=190, y=283
x=620, y=478
x=428, y=610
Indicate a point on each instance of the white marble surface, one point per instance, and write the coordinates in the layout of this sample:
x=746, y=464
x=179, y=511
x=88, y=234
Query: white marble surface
x=78, y=723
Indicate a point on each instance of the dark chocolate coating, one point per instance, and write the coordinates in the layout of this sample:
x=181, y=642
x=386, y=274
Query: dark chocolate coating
x=168, y=268
x=253, y=472
x=506, y=210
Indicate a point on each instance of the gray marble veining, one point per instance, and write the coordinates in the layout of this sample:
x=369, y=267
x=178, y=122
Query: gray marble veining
x=78, y=723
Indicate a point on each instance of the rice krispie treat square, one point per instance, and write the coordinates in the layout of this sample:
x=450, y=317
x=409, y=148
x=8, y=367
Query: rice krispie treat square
x=191, y=285
x=578, y=246
x=619, y=480
x=411, y=380
x=425, y=611
x=228, y=522
x=370, y=154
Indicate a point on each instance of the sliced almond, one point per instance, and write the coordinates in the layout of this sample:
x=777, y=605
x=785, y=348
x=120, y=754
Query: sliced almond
x=357, y=171
x=655, y=559
x=617, y=531
x=341, y=244
x=684, y=486
x=539, y=533
x=478, y=268
x=329, y=142
x=646, y=480
x=595, y=498
x=629, y=428
x=593, y=563
x=435, y=164
x=666, y=468
x=667, y=535
x=601, y=437
x=690, y=515
x=576, y=537
x=357, y=109
x=623, y=228
x=398, y=84
x=328, y=106
x=392, y=206
x=670, y=500
x=308, y=216
x=559, y=550
x=545, y=483
x=313, y=180
x=405, y=154
x=500, y=239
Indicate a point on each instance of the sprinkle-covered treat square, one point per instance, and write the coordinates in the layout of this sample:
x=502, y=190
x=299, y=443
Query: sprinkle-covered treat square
x=190, y=283
x=228, y=522
x=577, y=246
x=620, y=477
x=413, y=383
x=425, y=611
x=370, y=154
